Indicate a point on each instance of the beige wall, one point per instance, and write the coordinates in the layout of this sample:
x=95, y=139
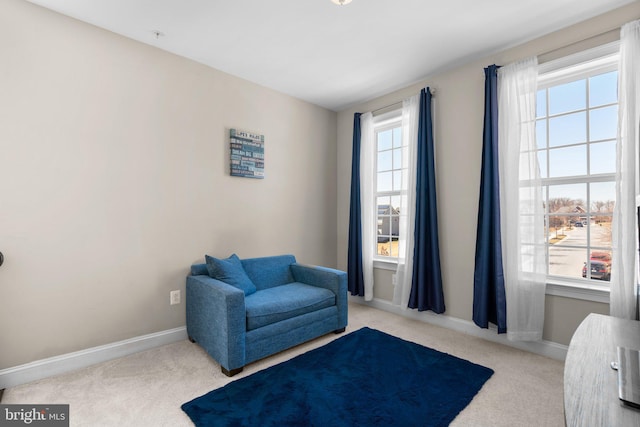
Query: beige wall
x=459, y=108
x=114, y=179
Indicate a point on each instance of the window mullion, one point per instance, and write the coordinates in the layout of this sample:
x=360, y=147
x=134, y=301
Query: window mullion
x=386, y=144
x=573, y=231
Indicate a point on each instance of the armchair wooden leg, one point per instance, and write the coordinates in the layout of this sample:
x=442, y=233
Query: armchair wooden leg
x=339, y=331
x=231, y=372
x=191, y=339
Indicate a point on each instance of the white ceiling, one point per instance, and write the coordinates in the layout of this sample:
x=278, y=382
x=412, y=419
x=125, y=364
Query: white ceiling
x=332, y=56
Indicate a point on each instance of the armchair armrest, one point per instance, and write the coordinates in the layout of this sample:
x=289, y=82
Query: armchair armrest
x=216, y=319
x=329, y=278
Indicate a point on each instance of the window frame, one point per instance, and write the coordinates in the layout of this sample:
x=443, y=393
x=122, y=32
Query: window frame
x=582, y=65
x=382, y=122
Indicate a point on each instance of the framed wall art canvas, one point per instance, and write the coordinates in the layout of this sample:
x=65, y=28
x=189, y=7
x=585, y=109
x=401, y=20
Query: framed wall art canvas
x=247, y=154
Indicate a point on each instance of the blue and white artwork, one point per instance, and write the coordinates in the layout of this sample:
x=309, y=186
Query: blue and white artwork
x=247, y=154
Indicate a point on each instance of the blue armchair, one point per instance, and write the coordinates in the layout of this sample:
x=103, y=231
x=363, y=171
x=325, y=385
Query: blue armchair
x=240, y=311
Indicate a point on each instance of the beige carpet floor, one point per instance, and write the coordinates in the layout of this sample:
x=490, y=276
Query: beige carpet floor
x=147, y=389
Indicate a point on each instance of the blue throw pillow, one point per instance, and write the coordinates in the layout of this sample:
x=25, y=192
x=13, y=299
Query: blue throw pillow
x=230, y=271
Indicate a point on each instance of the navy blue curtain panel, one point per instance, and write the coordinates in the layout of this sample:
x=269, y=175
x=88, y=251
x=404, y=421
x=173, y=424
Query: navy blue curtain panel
x=355, y=275
x=426, y=284
x=489, y=302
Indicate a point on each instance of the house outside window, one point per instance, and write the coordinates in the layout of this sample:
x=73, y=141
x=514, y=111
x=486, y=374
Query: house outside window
x=390, y=183
x=576, y=129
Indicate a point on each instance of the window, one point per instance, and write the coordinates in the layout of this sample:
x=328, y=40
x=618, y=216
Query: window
x=576, y=126
x=390, y=182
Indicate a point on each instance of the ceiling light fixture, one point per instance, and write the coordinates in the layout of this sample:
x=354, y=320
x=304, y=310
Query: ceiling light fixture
x=341, y=2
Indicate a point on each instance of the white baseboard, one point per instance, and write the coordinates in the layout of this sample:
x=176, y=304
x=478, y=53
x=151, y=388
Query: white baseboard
x=51, y=366
x=544, y=348
x=45, y=368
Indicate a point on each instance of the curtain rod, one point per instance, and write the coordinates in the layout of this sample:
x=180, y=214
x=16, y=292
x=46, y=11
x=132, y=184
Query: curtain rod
x=433, y=92
x=386, y=106
x=550, y=55
x=614, y=33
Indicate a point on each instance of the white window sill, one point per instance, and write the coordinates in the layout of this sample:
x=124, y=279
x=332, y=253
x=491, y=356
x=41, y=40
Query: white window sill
x=581, y=291
x=567, y=289
x=385, y=264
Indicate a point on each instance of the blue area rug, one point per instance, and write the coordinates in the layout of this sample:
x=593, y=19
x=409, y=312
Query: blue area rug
x=366, y=378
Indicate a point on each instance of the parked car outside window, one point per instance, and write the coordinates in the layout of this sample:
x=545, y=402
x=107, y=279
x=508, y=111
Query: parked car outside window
x=599, y=270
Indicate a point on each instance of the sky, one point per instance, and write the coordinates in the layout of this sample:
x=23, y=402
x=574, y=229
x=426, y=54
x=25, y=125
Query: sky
x=575, y=134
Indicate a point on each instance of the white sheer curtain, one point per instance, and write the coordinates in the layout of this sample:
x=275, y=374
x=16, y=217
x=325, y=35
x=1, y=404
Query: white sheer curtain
x=404, y=271
x=367, y=180
x=623, y=267
x=521, y=203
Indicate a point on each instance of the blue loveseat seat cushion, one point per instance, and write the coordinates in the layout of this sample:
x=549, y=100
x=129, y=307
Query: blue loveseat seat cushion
x=283, y=302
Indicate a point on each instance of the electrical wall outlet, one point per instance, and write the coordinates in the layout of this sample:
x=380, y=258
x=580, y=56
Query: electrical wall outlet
x=394, y=279
x=174, y=297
